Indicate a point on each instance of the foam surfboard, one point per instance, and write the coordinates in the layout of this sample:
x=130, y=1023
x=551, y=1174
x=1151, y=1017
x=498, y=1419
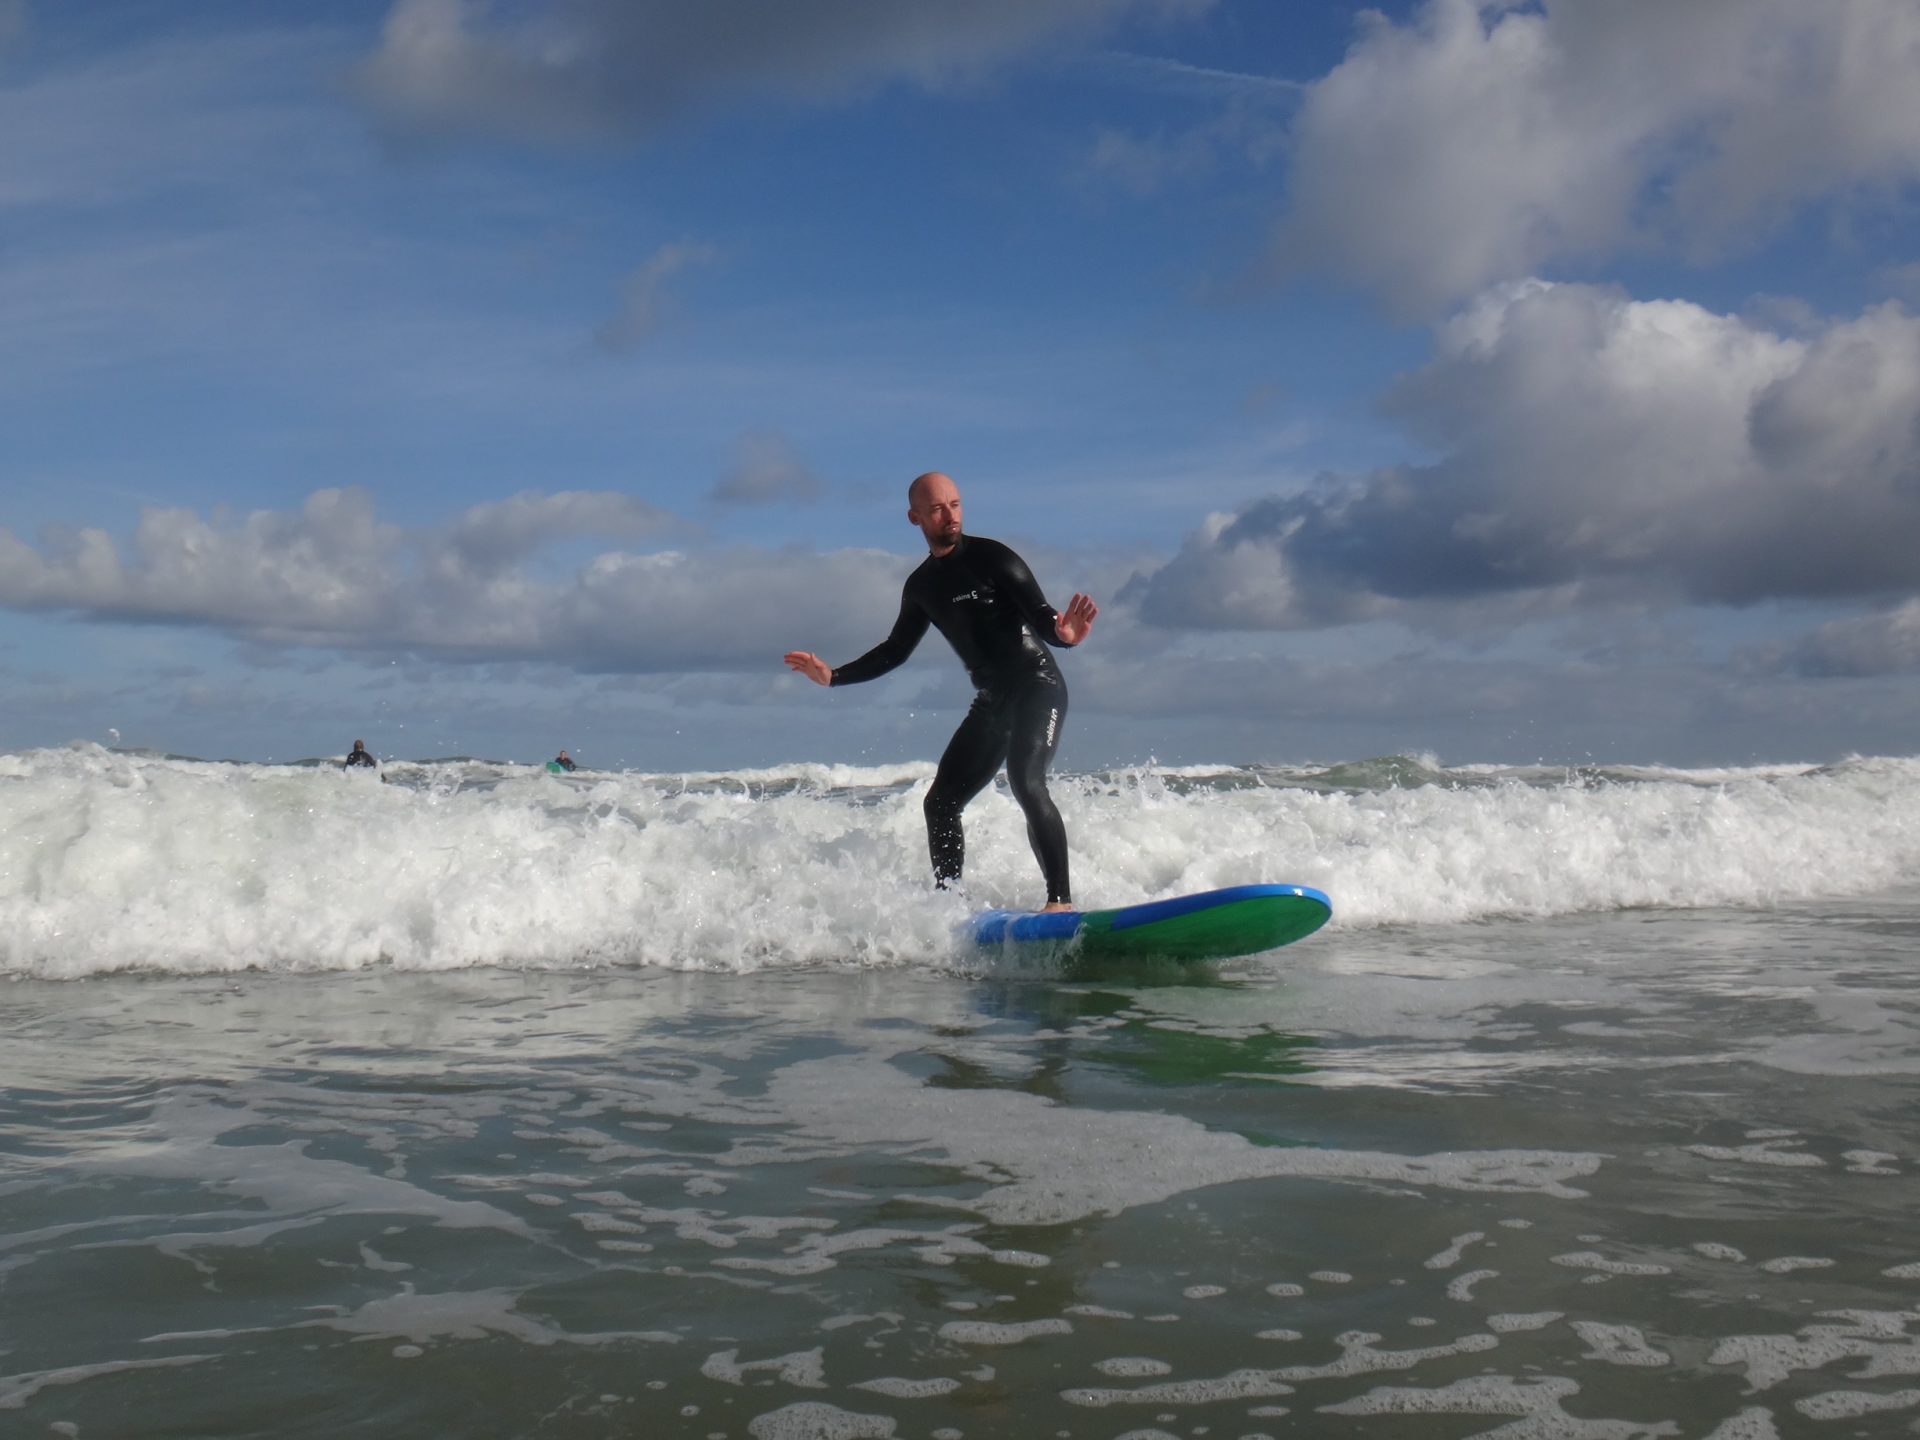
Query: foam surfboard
x=1212, y=925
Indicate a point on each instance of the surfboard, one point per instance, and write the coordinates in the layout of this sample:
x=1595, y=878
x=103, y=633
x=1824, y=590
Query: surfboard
x=1210, y=925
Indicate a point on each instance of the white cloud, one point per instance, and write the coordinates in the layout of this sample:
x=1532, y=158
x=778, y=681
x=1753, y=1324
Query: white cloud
x=1488, y=139
x=327, y=573
x=334, y=576
x=499, y=533
x=1595, y=449
x=644, y=298
x=594, y=68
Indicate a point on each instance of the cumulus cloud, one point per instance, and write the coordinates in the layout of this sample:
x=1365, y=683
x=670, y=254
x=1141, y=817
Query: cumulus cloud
x=334, y=576
x=644, y=298
x=766, y=471
x=596, y=68
x=1595, y=448
x=497, y=534
x=1486, y=139
x=327, y=572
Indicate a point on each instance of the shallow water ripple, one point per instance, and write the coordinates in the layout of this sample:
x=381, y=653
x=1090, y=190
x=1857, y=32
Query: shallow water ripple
x=834, y=1204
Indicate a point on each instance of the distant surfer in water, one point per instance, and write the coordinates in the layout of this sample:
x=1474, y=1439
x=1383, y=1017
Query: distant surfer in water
x=982, y=597
x=563, y=760
x=359, y=756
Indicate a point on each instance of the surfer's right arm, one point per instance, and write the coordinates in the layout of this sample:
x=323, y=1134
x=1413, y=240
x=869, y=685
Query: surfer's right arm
x=887, y=655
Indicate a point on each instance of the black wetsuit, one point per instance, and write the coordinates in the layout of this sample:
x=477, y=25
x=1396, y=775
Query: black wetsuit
x=564, y=764
x=982, y=597
x=361, y=757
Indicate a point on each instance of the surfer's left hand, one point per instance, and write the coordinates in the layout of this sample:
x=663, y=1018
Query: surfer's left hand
x=1073, y=626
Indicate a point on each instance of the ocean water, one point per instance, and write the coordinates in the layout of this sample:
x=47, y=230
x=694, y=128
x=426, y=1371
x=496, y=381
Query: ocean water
x=486, y=1102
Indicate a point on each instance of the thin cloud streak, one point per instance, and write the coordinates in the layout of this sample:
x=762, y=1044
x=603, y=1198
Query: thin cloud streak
x=767, y=471
x=645, y=300
x=592, y=70
x=1206, y=80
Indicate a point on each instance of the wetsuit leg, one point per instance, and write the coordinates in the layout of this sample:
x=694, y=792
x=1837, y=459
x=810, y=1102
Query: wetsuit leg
x=1039, y=714
x=972, y=757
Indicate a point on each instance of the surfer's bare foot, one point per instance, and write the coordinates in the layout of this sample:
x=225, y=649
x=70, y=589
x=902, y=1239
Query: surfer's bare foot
x=1054, y=907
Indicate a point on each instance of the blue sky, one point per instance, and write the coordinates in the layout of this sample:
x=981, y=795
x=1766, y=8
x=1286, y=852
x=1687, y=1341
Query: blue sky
x=1504, y=381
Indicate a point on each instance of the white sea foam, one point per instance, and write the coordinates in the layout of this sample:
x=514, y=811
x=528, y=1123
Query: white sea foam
x=803, y=1368
x=1619, y=1344
x=1852, y=1404
x=1536, y=1400
x=1593, y=1260
x=113, y=861
x=812, y=1420
x=1461, y=1286
x=1450, y=1256
x=1753, y=1423
x=1766, y=1154
x=1877, y=1336
x=984, y=1332
x=1513, y=1323
x=1132, y=1366
x=1239, y=1385
x=899, y=1388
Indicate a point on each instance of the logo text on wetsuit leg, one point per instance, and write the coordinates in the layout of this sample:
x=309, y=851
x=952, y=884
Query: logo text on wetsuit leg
x=1053, y=724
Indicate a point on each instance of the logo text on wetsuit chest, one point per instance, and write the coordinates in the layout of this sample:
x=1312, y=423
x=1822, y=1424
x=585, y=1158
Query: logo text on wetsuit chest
x=985, y=597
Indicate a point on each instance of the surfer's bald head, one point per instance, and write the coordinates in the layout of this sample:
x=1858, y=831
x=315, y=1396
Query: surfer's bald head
x=922, y=483
x=933, y=503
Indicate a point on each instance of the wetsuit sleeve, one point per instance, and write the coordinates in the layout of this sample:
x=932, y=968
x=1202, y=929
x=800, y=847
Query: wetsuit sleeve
x=890, y=652
x=1012, y=574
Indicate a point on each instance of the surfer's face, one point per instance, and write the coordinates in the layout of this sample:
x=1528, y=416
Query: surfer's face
x=936, y=510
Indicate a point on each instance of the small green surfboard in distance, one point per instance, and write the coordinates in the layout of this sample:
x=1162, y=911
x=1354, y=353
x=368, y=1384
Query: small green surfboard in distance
x=1212, y=925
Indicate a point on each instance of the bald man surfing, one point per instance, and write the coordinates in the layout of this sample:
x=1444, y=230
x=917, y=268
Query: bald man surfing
x=982, y=597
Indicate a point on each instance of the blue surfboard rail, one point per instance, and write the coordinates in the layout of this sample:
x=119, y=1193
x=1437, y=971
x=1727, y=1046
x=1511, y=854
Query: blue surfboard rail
x=995, y=927
x=1129, y=916
x=1063, y=927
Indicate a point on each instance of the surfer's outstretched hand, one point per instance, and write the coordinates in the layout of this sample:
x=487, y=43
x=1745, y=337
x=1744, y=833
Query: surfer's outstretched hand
x=1073, y=626
x=811, y=666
